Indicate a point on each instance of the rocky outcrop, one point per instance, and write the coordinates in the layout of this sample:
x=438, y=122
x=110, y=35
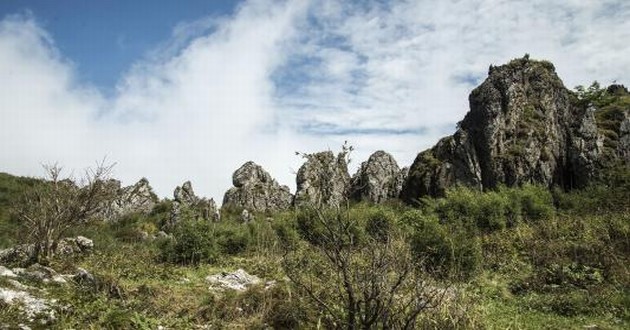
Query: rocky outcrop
x=378, y=179
x=523, y=126
x=185, y=200
x=323, y=180
x=137, y=198
x=254, y=189
x=22, y=254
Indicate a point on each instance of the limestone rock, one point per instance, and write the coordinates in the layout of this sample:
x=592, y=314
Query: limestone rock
x=185, y=199
x=22, y=254
x=238, y=280
x=323, y=180
x=254, y=189
x=246, y=216
x=378, y=179
x=523, y=126
x=137, y=198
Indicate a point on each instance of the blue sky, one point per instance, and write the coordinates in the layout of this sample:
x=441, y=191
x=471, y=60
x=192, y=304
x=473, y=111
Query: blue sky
x=104, y=38
x=177, y=91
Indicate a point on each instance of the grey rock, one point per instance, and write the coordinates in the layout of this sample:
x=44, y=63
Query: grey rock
x=246, y=216
x=85, y=278
x=40, y=273
x=378, y=179
x=73, y=246
x=22, y=254
x=323, y=180
x=524, y=126
x=254, y=189
x=6, y=272
x=137, y=198
x=186, y=200
x=33, y=307
x=238, y=280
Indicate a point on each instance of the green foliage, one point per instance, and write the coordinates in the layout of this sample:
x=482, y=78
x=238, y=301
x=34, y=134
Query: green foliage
x=192, y=243
x=445, y=251
x=11, y=189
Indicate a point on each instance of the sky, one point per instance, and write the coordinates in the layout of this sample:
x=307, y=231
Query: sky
x=175, y=91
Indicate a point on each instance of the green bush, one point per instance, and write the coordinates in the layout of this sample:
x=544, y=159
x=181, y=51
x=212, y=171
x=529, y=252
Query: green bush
x=536, y=202
x=232, y=238
x=443, y=250
x=193, y=243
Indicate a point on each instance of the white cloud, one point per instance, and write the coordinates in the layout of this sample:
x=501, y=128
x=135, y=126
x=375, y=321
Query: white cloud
x=281, y=76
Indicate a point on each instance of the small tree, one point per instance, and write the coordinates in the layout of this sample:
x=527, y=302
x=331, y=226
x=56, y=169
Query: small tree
x=359, y=272
x=48, y=210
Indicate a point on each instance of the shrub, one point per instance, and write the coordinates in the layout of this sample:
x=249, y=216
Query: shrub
x=443, y=250
x=536, y=202
x=232, y=238
x=192, y=243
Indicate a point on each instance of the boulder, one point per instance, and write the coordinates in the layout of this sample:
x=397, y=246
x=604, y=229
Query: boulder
x=238, y=280
x=254, y=189
x=323, y=180
x=378, y=179
x=22, y=254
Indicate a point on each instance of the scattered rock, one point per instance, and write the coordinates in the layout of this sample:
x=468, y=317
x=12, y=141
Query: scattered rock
x=323, y=180
x=378, y=179
x=22, y=254
x=239, y=280
x=256, y=190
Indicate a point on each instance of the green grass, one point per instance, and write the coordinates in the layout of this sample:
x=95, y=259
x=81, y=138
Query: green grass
x=516, y=258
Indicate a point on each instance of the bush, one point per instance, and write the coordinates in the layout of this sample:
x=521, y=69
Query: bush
x=536, y=202
x=443, y=250
x=193, y=242
x=232, y=238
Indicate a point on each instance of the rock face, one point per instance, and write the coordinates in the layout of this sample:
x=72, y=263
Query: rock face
x=254, y=189
x=184, y=199
x=523, y=126
x=138, y=198
x=323, y=180
x=378, y=179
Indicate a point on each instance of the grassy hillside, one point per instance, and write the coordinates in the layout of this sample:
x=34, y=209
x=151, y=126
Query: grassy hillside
x=11, y=189
x=521, y=258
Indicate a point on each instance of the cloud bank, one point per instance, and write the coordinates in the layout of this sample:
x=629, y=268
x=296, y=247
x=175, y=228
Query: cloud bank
x=281, y=76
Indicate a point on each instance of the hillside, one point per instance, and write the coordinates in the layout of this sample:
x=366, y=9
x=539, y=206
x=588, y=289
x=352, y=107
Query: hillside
x=520, y=219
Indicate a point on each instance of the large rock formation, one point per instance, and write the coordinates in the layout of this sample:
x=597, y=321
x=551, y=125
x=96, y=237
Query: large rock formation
x=185, y=200
x=137, y=198
x=255, y=190
x=323, y=180
x=523, y=126
x=378, y=179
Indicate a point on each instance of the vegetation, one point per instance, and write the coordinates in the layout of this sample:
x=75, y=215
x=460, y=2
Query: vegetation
x=47, y=211
x=525, y=258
